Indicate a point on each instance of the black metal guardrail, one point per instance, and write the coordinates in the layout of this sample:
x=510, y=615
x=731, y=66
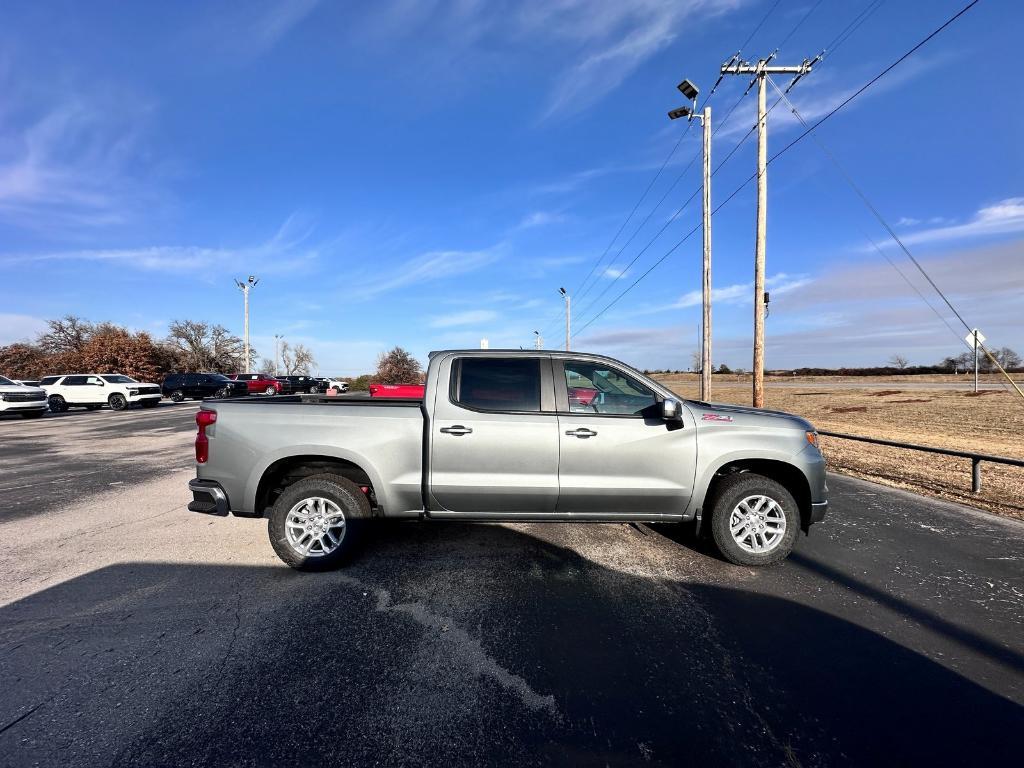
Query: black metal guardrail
x=976, y=458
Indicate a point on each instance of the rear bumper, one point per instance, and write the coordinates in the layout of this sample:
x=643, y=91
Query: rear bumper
x=208, y=498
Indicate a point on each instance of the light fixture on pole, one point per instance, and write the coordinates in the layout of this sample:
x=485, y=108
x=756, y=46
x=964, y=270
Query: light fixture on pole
x=538, y=342
x=245, y=287
x=568, y=316
x=690, y=91
x=277, y=354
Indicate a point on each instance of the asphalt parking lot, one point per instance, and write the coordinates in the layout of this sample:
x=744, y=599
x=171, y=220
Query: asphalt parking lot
x=133, y=632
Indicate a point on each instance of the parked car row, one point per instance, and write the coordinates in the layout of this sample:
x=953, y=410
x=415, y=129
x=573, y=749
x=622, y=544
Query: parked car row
x=95, y=390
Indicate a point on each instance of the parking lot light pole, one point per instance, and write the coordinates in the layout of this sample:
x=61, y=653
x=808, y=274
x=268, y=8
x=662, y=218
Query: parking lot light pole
x=245, y=287
x=277, y=351
x=568, y=316
x=538, y=342
x=690, y=91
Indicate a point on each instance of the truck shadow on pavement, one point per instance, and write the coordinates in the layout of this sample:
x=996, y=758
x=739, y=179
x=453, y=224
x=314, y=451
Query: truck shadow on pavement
x=465, y=645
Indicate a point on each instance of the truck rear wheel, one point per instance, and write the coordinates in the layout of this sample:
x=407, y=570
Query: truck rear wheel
x=315, y=523
x=754, y=519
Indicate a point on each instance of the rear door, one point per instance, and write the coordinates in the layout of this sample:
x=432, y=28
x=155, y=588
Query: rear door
x=494, y=435
x=77, y=390
x=617, y=455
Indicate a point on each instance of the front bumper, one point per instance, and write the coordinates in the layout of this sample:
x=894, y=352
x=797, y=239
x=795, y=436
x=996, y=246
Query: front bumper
x=208, y=498
x=818, y=511
x=31, y=405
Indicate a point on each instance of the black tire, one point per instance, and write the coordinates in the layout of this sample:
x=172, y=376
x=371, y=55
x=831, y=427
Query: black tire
x=733, y=490
x=117, y=402
x=351, y=501
x=177, y=396
x=314, y=390
x=222, y=393
x=32, y=414
x=57, y=404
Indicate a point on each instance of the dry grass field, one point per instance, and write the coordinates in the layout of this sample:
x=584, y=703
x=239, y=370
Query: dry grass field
x=897, y=408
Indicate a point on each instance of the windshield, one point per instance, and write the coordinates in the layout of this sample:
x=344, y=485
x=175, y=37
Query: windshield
x=5, y=382
x=219, y=377
x=118, y=379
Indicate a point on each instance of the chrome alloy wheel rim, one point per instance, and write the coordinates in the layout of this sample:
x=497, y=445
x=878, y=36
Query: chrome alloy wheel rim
x=757, y=524
x=315, y=527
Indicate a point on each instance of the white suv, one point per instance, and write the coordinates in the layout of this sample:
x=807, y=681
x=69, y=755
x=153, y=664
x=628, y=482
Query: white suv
x=30, y=402
x=94, y=390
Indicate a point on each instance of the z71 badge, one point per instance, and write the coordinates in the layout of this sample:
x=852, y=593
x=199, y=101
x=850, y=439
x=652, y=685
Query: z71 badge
x=715, y=417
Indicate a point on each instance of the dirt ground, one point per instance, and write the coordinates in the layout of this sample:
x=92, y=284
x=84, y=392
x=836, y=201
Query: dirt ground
x=991, y=422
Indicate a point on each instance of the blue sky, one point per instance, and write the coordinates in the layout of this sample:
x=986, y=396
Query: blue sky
x=428, y=174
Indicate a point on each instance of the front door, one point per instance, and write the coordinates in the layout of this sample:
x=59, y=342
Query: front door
x=617, y=454
x=494, y=436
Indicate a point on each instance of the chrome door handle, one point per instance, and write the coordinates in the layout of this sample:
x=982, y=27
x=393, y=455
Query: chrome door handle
x=457, y=429
x=581, y=432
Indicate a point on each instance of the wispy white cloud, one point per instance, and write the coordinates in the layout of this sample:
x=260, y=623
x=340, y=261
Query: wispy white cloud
x=245, y=31
x=81, y=164
x=614, y=39
x=1000, y=218
x=540, y=219
x=470, y=317
x=286, y=251
x=740, y=293
x=613, y=273
x=428, y=267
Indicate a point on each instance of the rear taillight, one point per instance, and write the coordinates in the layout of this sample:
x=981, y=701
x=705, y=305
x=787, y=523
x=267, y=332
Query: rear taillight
x=203, y=420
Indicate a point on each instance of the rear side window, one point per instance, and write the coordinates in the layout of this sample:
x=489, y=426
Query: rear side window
x=497, y=384
x=74, y=381
x=47, y=380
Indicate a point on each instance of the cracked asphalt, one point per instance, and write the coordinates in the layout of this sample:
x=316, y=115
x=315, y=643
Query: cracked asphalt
x=133, y=632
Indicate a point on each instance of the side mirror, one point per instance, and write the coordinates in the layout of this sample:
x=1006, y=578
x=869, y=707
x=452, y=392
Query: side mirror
x=671, y=410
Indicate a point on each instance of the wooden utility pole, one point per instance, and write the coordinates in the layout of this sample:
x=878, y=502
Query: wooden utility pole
x=760, y=71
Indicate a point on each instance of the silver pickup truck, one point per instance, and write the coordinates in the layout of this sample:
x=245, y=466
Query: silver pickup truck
x=510, y=436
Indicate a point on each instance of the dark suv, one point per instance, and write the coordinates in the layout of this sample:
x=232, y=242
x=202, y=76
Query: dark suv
x=179, y=386
x=305, y=384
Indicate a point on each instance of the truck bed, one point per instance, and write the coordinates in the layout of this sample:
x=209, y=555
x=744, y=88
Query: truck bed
x=252, y=435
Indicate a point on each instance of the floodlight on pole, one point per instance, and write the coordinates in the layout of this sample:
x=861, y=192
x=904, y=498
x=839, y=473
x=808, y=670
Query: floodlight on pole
x=245, y=287
x=568, y=315
x=690, y=91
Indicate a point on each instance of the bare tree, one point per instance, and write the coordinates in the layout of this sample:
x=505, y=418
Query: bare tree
x=898, y=361
x=1006, y=357
x=267, y=366
x=297, y=359
x=201, y=347
x=695, y=360
x=68, y=334
x=397, y=367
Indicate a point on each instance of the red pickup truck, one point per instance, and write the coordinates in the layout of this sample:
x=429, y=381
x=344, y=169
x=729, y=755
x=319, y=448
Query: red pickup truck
x=405, y=391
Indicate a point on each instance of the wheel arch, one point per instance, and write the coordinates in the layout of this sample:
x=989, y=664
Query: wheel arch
x=788, y=475
x=290, y=469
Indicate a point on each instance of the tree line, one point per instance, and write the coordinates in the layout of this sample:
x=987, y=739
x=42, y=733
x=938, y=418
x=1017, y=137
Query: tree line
x=73, y=344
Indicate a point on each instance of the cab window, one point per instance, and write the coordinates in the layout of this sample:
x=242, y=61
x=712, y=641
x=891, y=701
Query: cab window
x=599, y=388
x=497, y=384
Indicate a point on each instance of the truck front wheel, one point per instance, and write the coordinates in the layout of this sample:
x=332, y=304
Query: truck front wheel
x=754, y=519
x=315, y=523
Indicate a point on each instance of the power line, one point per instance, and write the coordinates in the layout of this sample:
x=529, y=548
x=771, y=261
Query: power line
x=781, y=152
x=852, y=27
x=884, y=222
x=671, y=153
x=760, y=24
x=800, y=23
